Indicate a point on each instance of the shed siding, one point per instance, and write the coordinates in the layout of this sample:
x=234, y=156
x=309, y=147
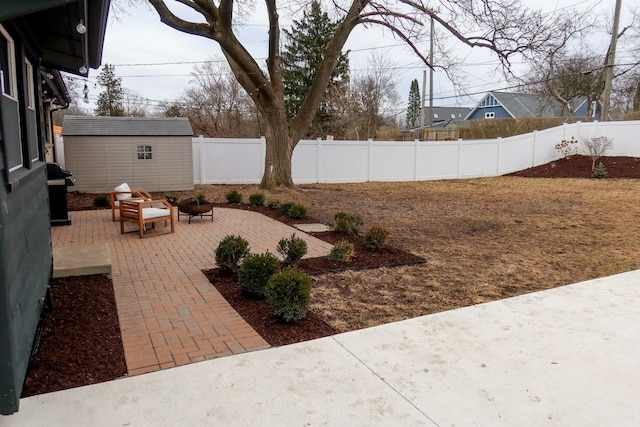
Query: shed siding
x=100, y=163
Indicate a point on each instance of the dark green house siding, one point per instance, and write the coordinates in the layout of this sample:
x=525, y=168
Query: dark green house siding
x=25, y=269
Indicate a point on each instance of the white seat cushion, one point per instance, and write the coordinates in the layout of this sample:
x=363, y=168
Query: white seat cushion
x=124, y=191
x=150, y=213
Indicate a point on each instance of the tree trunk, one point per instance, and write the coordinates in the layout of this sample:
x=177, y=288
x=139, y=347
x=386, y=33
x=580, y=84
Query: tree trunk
x=277, y=161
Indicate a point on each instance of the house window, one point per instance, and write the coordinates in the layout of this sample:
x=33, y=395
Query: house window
x=490, y=115
x=7, y=65
x=30, y=114
x=10, y=132
x=145, y=152
x=31, y=93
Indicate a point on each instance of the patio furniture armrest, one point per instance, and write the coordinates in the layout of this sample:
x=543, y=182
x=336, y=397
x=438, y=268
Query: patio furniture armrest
x=145, y=212
x=132, y=194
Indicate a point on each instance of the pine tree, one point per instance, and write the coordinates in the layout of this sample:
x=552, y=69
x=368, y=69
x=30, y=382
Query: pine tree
x=301, y=58
x=109, y=101
x=413, y=108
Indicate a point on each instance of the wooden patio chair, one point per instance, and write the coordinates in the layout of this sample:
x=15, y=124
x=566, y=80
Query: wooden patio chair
x=122, y=192
x=143, y=212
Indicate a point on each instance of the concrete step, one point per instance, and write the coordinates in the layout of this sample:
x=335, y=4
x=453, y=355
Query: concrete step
x=81, y=260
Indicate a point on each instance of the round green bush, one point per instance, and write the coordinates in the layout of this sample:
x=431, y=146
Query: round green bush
x=342, y=251
x=297, y=211
x=230, y=252
x=346, y=223
x=292, y=249
x=255, y=272
x=256, y=199
x=289, y=294
x=233, y=197
x=284, y=208
x=376, y=238
x=274, y=204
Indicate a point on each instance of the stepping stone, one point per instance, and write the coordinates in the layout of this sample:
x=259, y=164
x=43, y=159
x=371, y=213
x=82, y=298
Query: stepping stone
x=312, y=228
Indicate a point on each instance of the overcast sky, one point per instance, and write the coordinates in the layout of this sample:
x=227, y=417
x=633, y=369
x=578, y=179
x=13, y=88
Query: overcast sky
x=156, y=61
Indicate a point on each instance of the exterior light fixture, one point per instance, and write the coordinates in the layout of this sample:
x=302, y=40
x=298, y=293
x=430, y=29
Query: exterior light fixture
x=80, y=28
x=83, y=70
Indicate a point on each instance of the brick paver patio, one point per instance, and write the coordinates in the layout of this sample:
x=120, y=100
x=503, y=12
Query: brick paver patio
x=169, y=313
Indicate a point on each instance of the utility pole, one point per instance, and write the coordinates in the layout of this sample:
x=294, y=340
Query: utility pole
x=431, y=76
x=611, y=60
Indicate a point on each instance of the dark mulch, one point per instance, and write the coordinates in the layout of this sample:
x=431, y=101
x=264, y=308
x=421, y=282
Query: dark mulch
x=80, y=340
x=259, y=316
x=580, y=167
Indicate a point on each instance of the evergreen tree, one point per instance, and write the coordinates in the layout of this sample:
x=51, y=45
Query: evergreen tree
x=111, y=98
x=413, y=109
x=301, y=58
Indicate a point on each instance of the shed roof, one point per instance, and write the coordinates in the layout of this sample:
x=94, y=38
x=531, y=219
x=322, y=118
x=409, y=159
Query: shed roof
x=126, y=126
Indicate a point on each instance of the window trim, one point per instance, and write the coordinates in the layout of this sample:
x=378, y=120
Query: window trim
x=144, y=152
x=11, y=53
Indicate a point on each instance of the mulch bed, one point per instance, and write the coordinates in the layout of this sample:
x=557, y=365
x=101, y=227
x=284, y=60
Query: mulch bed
x=580, y=167
x=258, y=314
x=80, y=341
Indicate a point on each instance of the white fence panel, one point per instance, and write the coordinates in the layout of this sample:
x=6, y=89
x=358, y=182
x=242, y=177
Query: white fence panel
x=344, y=161
x=437, y=160
x=305, y=163
x=516, y=153
x=230, y=161
x=626, y=139
x=392, y=161
x=478, y=158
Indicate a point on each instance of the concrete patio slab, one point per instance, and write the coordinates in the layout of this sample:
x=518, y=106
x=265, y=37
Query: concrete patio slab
x=562, y=357
x=81, y=260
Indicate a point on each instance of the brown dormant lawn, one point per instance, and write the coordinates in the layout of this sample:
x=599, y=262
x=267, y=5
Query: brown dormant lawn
x=483, y=239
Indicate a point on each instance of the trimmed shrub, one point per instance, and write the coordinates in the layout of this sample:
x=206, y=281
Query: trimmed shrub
x=101, y=202
x=230, y=251
x=256, y=199
x=376, y=238
x=171, y=198
x=233, y=197
x=342, y=251
x=274, y=204
x=292, y=249
x=600, y=171
x=346, y=223
x=297, y=211
x=289, y=294
x=255, y=272
x=284, y=208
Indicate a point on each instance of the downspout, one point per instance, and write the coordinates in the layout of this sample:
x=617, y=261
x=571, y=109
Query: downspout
x=53, y=136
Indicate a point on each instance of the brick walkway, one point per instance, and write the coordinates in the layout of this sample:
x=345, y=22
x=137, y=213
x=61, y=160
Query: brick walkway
x=169, y=313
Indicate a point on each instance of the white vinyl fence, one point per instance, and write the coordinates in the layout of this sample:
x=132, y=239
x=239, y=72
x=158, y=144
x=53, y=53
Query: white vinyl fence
x=241, y=161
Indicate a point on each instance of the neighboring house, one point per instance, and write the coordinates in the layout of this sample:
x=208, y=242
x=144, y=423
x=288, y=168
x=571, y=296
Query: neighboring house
x=37, y=39
x=151, y=153
x=499, y=105
x=443, y=115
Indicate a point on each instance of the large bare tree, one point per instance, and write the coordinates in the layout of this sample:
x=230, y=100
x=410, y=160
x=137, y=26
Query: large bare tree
x=505, y=27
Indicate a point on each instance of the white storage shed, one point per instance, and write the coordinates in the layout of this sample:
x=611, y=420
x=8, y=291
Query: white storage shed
x=151, y=153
